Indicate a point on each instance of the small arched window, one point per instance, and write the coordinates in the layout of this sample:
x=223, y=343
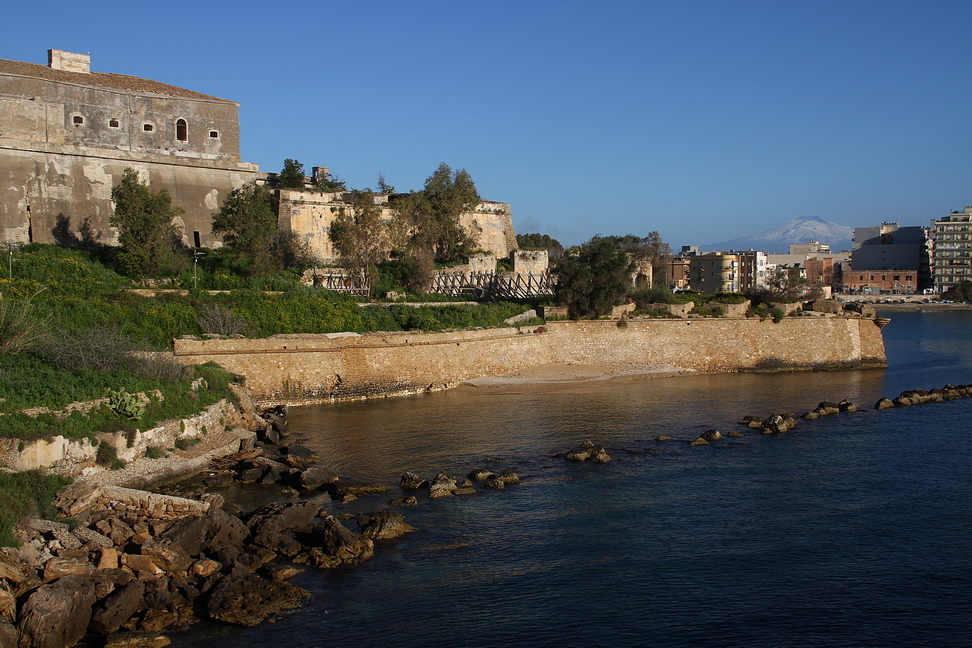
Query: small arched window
x=78, y=120
x=113, y=123
x=182, y=130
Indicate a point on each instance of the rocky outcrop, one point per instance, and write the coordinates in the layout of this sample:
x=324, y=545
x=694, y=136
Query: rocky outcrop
x=588, y=450
x=383, y=525
x=243, y=598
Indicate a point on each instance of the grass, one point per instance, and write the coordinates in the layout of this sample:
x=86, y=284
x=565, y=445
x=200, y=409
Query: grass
x=73, y=291
x=22, y=494
x=29, y=381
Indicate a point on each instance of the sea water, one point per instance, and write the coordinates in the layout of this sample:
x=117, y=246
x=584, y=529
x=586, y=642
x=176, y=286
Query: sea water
x=851, y=530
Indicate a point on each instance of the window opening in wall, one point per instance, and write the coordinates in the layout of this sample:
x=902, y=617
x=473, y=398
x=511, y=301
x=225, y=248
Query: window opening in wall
x=78, y=120
x=182, y=130
x=195, y=239
x=214, y=134
x=148, y=128
x=113, y=123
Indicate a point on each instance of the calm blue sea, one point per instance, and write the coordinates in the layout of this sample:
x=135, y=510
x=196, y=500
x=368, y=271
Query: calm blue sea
x=852, y=530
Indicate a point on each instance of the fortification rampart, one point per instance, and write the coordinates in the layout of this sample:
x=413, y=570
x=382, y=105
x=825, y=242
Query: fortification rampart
x=301, y=369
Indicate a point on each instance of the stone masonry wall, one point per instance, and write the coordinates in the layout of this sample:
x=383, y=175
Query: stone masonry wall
x=318, y=367
x=44, y=452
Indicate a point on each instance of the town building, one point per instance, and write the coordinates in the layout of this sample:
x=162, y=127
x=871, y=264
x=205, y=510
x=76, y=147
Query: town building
x=952, y=249
x=879, y=281
x=887, y=259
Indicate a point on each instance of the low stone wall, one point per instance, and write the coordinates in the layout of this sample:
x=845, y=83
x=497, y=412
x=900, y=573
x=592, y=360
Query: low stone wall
x=21, y=454
x=88, y=496
x=313, y=368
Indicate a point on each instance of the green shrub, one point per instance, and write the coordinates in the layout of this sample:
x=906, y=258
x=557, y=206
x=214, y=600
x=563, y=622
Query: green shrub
x=24, y=493
x=107, y=455
x=183, y=444
x=154, y=452
x=22, y=325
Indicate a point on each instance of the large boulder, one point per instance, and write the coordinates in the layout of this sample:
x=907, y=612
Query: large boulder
x=272, y=519
x=118, y=607
x=214, y=531
x=317, y=476
x=824, y=306
x=412, y=481
x=480, y=475
x=248, y=600
x=510, y=478
x=331, y=544
x=57, y=614
x=442, y=485
x=169, y=556
x=382, y=525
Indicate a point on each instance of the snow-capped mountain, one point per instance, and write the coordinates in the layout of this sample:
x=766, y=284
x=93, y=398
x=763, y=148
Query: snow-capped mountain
x=777, y=240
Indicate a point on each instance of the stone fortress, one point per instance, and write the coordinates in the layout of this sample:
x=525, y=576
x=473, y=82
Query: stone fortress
x=67, y=134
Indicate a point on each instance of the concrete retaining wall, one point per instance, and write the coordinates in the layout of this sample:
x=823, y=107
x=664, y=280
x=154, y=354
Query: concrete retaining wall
x=300, y=369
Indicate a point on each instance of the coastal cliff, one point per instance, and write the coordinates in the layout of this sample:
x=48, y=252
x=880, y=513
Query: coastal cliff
x=316, y=368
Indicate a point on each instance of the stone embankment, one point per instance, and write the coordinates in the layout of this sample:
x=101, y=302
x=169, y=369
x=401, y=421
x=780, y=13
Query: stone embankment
x=301, y=369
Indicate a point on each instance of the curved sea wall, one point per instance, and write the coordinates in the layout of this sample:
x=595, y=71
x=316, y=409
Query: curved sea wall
x=313, y=368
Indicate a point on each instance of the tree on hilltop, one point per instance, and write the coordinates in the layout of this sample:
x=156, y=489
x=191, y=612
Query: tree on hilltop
x=144, y=221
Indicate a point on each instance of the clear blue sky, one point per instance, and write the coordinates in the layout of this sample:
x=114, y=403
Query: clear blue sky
x=704, y=120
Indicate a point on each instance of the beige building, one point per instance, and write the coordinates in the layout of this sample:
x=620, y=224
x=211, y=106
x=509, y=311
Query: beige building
x=67, y=134
x=726, y=271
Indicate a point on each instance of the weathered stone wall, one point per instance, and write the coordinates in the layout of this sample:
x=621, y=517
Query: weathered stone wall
x=313, y=368
x=51, y=193
x=310, y=215
x=44, y=452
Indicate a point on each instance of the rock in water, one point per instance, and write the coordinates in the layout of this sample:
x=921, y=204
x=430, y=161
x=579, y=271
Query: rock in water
x=411, y=481
x=383, y=525
x=249, y=600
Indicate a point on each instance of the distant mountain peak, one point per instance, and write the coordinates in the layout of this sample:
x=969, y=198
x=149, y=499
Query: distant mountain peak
x=777, y=240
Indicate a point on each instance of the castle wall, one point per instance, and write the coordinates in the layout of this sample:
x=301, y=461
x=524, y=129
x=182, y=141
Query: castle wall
x=319, y=368
x=310, y=214
x=67, y=134
x=49, y=193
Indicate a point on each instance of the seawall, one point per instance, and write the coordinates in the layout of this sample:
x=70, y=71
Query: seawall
x=314, y=368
